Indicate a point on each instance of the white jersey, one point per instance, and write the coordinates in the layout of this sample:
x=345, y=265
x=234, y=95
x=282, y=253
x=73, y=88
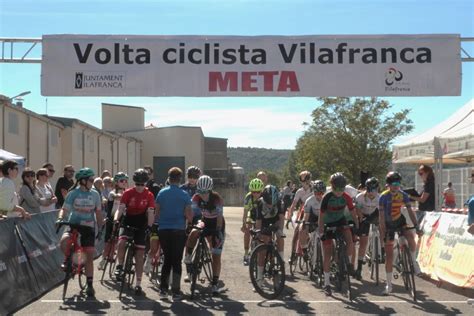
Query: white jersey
x=365, y=204
x=312, y=205
x=302, y=195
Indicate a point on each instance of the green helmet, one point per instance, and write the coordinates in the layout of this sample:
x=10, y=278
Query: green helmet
x=256, y=185
x=84, y=173
x=120, y=176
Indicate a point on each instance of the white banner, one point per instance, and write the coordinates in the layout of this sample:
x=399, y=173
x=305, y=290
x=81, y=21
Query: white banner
x=287, y=66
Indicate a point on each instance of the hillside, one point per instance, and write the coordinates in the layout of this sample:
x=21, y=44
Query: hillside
x=252, y=159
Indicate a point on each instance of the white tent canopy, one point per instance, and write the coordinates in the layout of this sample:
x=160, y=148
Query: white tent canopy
x=6, y=155
x=450, y=142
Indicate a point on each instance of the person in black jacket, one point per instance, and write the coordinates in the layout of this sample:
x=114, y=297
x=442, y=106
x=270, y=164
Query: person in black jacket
x=151, y=184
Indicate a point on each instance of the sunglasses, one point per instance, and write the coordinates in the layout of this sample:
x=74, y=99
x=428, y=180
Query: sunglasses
x=395, y=184
x=139, y=184
x=254, y=192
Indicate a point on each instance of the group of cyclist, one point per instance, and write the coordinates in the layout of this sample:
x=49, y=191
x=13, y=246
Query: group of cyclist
x=166, y=219
x=338, y=205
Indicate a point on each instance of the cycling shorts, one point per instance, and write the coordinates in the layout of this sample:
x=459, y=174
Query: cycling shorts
x=216, y=239
x=86, y=239
x=367, y=220
x=392, y=227
x=313, y=219
x=138, y=236
x=329, y=235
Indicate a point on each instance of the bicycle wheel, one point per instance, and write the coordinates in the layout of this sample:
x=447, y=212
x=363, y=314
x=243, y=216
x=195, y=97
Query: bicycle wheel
x=303, y=265
x=408, y=272
x=127, y=268
x=293, y=262
x=376, y=258
x=112, y=262
x=81, y=277
x=195, y=268
x=272, y=281
x=311, y=261
x=67, y=276
x=347, y=277
x=206, y=260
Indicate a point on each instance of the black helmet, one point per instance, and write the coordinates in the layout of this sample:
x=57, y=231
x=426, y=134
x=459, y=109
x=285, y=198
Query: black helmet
x=319, y=186
x=140, y=176
x=338, y=180
x=270, y=195
x=194, y=172
x=393, y=176
x=372, y=184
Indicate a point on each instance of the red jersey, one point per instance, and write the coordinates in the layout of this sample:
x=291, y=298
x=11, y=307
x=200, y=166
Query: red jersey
x=137, y=203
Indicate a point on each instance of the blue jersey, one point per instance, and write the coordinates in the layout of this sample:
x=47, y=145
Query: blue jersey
x=172, y=202
x=81, y=206
x=391, y=204
x=470, y=214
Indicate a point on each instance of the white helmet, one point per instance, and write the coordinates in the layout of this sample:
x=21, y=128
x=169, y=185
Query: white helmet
x=204, y=184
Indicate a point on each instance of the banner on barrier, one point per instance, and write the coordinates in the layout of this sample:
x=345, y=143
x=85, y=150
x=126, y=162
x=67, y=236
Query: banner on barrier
x=287, y=66
x=446, y=249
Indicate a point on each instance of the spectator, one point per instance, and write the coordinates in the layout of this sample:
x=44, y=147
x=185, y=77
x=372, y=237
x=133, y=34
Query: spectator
x=64, y=184
x=470, y=215
x=426, y=202
x=173, y=208
x=193, y=173
x=29, y=196
x=152, y=186
x=49, y=166
x=108, y=187
x=99, y=188
x=286, y=193
x=449, y=196
x=8, y=197
x=106, y=173
x=46, y=193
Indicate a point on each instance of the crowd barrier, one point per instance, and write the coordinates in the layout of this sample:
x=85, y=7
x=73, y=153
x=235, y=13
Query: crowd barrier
x=446, y=249
x=30, y=258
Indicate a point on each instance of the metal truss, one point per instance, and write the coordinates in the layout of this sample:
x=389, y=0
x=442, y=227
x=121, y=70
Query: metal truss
x=9, y=54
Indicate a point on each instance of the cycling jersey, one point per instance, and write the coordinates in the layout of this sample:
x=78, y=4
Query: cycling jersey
x=136, y=206
x=332, y=206
x=250, y=208
x=210, y=209
x=189, y=189
x=391, y=204
x=81, y=206
x=302, y=195
x=312, y=205
x=365, y=204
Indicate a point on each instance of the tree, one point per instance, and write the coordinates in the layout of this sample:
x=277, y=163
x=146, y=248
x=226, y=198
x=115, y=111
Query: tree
x=350, y=135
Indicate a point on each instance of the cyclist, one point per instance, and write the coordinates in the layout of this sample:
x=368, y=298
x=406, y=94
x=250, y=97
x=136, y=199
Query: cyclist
x=113, y=202
x=269, y=213
x=367, y=203
x=80, y=206
x=301, y=196
x=137, y=205
x=391, y=219
x=193, y=174
x=250, y=213
x=312, y=207
x=332, y=215
x=210, y=204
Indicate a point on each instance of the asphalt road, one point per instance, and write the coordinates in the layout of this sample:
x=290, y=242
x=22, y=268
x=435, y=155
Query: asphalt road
x=238, y=298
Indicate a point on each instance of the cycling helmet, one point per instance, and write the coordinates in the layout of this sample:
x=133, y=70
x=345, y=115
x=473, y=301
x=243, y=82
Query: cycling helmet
x=140, y=176
x=319, y=186
x=392, y=177
x=84, y=173
x=270, y=195
x=120, y=176
x=194, y=172
x=338, y=180
x=305, y=176
x=204, y=184
x=372, y=184
x=256, y=185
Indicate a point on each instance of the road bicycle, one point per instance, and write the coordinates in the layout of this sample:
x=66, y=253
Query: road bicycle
x=271, y=282
x=201, y=261
x=403, y=262
x=73, y=261
x=340, y=264
x=374, y=256
x=111, y=257
x=127, y=276
x=315, y=257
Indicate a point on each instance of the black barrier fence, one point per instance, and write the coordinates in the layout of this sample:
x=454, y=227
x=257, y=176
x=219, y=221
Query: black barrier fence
x=30, y=258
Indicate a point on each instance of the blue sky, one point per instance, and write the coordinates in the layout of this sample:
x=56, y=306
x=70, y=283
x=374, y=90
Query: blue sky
x=259, y=122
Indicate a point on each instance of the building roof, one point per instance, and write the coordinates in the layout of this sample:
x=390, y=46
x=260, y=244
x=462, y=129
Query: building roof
x=124, y=106
x=8, y=104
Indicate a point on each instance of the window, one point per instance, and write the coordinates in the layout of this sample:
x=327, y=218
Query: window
x=53, y=137
x=13, y=123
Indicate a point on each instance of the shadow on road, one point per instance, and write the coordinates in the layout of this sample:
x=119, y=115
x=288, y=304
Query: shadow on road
x=85, y=305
